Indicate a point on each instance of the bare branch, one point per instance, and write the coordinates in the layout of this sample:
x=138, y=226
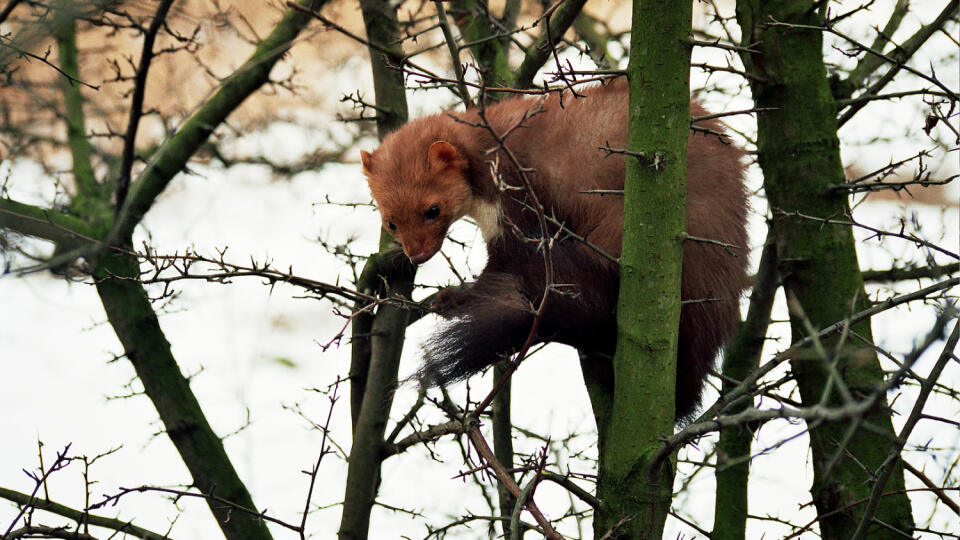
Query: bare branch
x=888, y=466
x=136, y=102
x=46, y=505
x=173, y=155
x=473, y=430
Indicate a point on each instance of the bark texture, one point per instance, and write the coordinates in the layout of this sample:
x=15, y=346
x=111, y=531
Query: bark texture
x=636, y=494
x=798, y=151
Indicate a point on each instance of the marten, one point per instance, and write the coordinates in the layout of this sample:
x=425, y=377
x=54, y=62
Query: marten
x=435, y=170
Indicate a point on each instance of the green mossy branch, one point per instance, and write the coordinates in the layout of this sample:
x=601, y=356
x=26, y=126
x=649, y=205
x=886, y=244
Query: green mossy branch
x=63, y=229
x=132, y=317
x=65, y=32
x=377, y=338
x=89, y=201
x=119, y=525
x=173, y=155
x=491, y=52
x=742, y=358
x=538, y=54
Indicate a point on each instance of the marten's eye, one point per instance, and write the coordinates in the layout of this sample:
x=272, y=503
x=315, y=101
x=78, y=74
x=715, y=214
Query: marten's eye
x=391, y=226
x=432, y=213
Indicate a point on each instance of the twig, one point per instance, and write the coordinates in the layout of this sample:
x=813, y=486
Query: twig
x=453, y=427
x=887, y=467
x=22, y=52
x=324, y=450
x=47, y=505
x=566, y=483
x=937, y=490
x=717, y=45
x=876, y=232
x=473, y=431
x=58, y=464
x=136, y=101
x=110, y=500
x=748, y=382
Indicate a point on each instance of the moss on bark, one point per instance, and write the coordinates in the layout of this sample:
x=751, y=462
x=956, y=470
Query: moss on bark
x=635, y=494
x=798, y=150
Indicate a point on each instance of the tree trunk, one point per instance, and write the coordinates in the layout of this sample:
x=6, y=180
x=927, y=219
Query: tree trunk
x=742, y=358
x=145, y=346
x=377, y=336
x=798, y=151
x=635, y=494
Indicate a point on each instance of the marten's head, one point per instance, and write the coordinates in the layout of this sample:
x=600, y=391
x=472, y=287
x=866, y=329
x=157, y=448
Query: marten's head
x=420, y=191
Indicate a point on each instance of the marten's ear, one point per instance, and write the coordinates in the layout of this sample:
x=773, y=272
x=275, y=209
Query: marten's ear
x=367, y=160
x=443, y=155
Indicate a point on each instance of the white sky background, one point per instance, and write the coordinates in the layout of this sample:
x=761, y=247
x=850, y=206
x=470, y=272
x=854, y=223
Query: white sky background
x=250, y=348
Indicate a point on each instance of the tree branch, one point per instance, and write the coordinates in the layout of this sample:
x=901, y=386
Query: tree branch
x=77, y=140
x=558, y=21
x=172, y=157
x=80, y=516
x=904, y=53
x=136, y=102
x=903, y=274
x=504, y=477
x=5, y=12
x=887, y=468
x=871, y=62
x=62, y=229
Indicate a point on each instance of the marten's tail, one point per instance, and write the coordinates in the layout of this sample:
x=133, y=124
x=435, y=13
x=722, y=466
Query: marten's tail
x=490, y=320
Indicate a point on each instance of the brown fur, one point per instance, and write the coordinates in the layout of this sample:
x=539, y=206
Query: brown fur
x=443, y=161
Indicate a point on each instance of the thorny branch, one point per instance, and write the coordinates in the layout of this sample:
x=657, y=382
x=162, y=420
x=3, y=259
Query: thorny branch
x=40, y=479
x=112, y=500
x=136, y=101
x=852, y=409
x=182, y=267
x=878, y=233
x=473, y=431
x=748, y=384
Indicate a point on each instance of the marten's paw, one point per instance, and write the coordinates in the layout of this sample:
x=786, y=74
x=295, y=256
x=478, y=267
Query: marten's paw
x=448, y=299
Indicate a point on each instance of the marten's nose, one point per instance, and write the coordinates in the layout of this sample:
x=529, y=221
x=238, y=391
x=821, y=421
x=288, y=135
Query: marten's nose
x=420, y=258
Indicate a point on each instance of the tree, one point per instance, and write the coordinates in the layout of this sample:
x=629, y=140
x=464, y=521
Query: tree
x=73, y=72
x=102, y=236
x=820, y=272
x=632, y=479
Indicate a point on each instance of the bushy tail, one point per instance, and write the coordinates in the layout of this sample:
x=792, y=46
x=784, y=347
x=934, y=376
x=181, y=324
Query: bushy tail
x=491, y=320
